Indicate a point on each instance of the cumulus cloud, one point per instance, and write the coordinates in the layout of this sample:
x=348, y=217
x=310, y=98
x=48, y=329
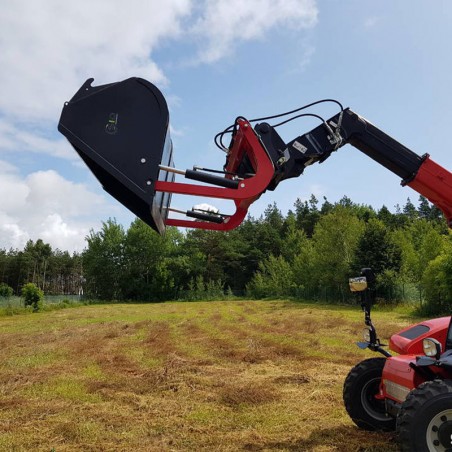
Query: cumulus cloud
x=48, y=48
x=206, y=207
x=14, y=137
x=226, y=23
x=45, y=205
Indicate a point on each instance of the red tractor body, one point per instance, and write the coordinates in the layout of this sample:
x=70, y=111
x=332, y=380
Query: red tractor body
x=409, y=340
x=399, y=375
x=410, y=392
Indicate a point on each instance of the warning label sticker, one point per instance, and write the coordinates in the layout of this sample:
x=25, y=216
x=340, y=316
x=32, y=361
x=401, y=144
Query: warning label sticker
x=299, y=147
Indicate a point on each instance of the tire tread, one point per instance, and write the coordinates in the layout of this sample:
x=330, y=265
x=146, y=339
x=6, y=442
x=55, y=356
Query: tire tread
x=349, y=394
x=411, y=406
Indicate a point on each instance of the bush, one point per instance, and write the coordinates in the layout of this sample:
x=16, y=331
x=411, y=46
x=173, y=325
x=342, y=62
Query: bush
x=5, y=290
x=33, y=296
x=273, y=279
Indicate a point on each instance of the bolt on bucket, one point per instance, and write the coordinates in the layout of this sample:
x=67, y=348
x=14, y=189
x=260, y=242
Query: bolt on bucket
x=121, y=131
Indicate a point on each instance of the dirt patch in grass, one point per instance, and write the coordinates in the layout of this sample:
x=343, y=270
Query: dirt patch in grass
x=159, y=339
x=292, y=379
x=250, y=393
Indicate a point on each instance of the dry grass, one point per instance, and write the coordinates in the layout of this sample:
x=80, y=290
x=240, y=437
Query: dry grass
x=226, y=376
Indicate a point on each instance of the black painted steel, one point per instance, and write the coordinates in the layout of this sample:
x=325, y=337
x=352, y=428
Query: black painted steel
x=121, y=131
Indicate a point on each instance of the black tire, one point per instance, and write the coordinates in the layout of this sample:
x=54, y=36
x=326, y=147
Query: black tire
x=360, y=388
x=424, y=422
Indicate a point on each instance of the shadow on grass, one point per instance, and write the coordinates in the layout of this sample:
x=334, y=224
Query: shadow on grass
x=341, y=438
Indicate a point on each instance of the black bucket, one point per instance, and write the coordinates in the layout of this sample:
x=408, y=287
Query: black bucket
x=121, y=131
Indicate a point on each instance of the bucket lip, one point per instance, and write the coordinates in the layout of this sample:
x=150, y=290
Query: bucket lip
x=87, y=90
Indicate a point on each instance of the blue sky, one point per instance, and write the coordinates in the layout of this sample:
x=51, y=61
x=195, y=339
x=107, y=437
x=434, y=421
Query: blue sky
x=390, y=61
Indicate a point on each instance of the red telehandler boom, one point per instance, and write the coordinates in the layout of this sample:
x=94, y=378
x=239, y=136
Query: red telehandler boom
x=121, y=131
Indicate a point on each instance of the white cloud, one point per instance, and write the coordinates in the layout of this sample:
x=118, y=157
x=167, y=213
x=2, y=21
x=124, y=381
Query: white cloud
x=45, y=205
x=305, y=54
x=206, y=207
x=16, y=138
x=226, y=23
x=58, y=232
x=48, y=49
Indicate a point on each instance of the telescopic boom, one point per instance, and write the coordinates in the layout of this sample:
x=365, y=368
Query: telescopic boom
x=121, y=131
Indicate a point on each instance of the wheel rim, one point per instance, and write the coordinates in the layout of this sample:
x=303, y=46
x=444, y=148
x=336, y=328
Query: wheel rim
x=372, y=406
x=439, y=432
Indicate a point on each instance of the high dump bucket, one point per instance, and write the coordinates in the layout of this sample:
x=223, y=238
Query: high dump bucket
x=121, y=131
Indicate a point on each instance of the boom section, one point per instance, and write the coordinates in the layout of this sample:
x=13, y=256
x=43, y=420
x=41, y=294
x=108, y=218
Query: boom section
x=418, y=172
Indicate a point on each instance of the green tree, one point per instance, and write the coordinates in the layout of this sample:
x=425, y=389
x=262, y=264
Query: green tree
x=146, y=274
x=298, y=252
x=307, y=214
x=33, y=296
x=387, y=217
x=274, y=279
x=409, y=210
x=335, y=240
x=377, y=249
x=428, y=211
x=38, y=253
x=327, y=207
x=424, y=209
x=420, y=242
x=437, y=282
x=103, y=261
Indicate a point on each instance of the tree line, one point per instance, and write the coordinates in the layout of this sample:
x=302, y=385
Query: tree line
x=308, y=253
x=55, y=272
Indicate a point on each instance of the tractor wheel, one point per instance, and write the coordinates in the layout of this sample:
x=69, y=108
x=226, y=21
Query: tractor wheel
x=425, y=419
x=360, y=388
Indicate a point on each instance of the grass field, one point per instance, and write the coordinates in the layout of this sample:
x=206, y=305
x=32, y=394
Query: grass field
x=214, y=376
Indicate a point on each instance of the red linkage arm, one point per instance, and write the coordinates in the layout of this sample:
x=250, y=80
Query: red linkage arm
x=246, y=143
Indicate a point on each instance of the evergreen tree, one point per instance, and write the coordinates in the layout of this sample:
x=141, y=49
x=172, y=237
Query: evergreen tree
x=409, y=210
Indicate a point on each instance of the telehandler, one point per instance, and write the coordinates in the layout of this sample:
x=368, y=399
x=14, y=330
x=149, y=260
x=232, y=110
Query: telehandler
x=410, y=392
x=121, y=131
